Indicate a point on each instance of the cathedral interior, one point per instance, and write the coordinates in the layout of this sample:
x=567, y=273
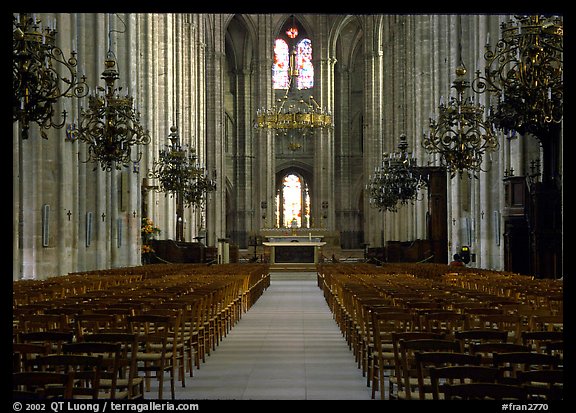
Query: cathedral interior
x=201, y=137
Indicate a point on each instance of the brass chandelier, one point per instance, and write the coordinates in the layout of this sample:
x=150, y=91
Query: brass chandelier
x=111, y=126
x=179, y=173
x=291, y=113
x=37, y=83
x=295, y=113
x=525, y=72
x=460, y=135
x=396, y=181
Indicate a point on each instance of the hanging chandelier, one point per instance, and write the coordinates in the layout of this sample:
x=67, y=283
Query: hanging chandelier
x=179, y=173
x=36, y=80
x=525, y=72
x=396, y=181
x=295, y=113
x=460, y=134
x=110, y=126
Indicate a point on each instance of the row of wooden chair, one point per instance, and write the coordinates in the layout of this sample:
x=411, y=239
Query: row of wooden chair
x=364, y=298
x=416, y=359
x=165, y=324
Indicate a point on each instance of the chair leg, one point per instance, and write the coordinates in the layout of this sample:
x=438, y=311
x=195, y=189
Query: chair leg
x=160, y=376
x=172, y=387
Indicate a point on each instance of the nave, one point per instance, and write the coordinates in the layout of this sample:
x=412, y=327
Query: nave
x=287, y=347
x=253, y=334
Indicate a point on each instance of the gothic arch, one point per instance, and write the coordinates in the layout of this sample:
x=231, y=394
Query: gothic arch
x=302, y=20
x=301, y=170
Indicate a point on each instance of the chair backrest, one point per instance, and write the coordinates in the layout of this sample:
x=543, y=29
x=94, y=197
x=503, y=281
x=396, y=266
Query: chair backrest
x=87, y=371
x=512, y=362
x=475, y=336
x=460, y=374
x=54, y=339
x=542, y=384
x=152, y=331
x=487, y=350
x=175, y=313
x=128, y=363
x=546, y=322
x=505, y=322
x=539, y=340
x=429, y=359
x=384, y=323
x=42, y=385
x=484, y=391
x=447, y=322
x=43, y=322
x=24, y=354
x=95, y=323
x=405, y=362
x=111, y=359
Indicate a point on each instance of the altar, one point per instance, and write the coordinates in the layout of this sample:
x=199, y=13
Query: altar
x=294, y=252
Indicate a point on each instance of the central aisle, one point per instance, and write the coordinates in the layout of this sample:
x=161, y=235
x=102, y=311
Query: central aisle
x=287, y=346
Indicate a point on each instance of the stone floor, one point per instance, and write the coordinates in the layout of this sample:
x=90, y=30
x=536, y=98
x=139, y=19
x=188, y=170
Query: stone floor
x=286, y=347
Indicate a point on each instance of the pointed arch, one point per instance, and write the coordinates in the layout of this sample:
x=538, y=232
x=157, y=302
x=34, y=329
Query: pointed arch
x=293, y=199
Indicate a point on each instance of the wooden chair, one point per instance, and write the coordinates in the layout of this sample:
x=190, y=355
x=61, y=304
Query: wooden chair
x=201, y=325
x=405, y=362
x=42, y=385
x=435, y=359
x=128, y=379
x=176, y=336
x=542, y=384
x=193, y=329
x=484, y=391
x=154, y=355
x=459, y=375
x=384, y=323
x=111, y=354
x=209, y=318
x=513, y=362
x=87, y=370
x=364, y=303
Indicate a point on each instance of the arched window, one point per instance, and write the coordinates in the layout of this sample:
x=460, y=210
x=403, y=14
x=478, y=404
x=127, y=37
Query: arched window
x=293, y=203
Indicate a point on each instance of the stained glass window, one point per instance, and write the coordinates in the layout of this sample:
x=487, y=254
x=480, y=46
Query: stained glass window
x=280, y=78
x=280, y=66
x=294, y=203
x=304, y=62
x=292, y=194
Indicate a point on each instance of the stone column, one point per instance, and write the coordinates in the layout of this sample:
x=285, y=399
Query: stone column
x=264, y=167
x=373, y=55
x=215, y=159
x=324, y=139
x=242, y=159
